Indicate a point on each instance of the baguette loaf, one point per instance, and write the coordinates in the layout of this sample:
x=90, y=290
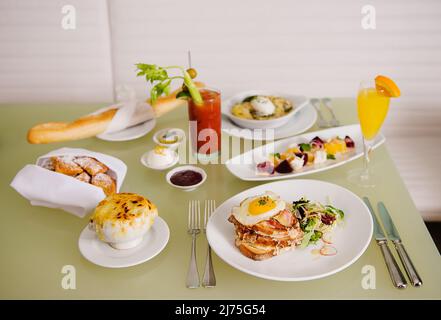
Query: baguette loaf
x=92, y=125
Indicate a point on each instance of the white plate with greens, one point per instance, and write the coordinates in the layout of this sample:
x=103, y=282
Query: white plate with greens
x=350, y=238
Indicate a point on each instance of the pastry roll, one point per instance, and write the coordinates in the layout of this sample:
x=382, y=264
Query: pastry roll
x=91, y=165
x=66, y=165
x=105, y=182
x=83, y=177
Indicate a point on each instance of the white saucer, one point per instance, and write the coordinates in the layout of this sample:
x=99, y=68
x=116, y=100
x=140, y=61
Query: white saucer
x=130, y=133
x=301, y=122
x=145, y=163
x=104, y=255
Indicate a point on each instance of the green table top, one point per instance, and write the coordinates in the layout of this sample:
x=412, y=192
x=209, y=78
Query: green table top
x=37, y=242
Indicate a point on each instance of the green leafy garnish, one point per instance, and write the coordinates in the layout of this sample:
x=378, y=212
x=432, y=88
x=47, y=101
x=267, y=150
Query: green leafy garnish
x=183, y=95
x=158, y=76
x=299, y=203
x=306, y=238
x=248, y=99
x=310, y=224
x=333, y=210
x=330, y=156
x=317, y=235
x=305, y=147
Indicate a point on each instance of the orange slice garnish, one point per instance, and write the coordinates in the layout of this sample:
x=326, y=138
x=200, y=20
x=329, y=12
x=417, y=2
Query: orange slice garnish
x=387, y=87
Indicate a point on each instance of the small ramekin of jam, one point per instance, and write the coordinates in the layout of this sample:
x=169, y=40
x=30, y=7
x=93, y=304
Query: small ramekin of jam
x=186, y=178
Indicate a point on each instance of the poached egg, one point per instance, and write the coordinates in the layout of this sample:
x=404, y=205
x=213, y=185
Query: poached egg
x=263, y=106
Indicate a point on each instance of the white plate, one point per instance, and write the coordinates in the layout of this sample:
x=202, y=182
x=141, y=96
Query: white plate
x=244, y=166
x=104, y=255
x=299, y=123
x=351, y=239
x=130, y=133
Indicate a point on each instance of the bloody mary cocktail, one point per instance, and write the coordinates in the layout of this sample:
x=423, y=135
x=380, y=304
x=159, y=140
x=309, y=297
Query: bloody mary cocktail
x=205, y=124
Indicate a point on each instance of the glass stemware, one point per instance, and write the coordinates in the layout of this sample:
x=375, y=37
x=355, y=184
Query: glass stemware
x=372, y=109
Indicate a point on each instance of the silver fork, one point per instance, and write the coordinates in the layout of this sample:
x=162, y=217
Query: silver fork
x=321, y=123
x=209, y=279
x=194, y=222
x=334, y=122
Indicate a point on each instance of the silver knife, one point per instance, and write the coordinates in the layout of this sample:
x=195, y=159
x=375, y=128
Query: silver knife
x=394, y=271
x=394, y=236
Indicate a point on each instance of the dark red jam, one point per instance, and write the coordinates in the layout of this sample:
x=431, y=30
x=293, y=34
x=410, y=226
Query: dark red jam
x=186, y=178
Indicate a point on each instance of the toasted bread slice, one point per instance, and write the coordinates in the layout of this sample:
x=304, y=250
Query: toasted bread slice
x=255, y=253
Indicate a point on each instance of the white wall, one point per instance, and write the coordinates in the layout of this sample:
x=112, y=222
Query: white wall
x=42, y=62
x=313, y=47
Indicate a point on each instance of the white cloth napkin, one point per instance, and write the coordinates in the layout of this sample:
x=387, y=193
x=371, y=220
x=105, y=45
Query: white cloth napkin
x=130, y=111
x=43, y=187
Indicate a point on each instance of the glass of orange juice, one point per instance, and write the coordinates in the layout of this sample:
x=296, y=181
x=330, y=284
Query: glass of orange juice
x=372, y=106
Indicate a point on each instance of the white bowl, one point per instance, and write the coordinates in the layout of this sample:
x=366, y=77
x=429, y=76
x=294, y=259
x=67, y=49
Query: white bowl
x=146, y=163
x=298, y=102
x=182, y=168
x=172, y=146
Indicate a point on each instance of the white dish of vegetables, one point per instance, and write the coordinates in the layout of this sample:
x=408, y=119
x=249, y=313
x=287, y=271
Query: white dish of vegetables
x=301, y=155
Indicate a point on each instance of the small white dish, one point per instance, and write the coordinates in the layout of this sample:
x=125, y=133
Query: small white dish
x=179, y=132
x=145, y=162
x=182, y=168
x=130, y=133
x=102, y=254
x=299, y=123
x=299, y=102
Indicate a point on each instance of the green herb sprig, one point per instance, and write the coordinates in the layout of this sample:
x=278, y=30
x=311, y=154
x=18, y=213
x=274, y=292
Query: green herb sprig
x=159, y=78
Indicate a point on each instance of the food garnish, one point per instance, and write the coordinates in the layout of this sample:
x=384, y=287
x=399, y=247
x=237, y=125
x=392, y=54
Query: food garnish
x=160, y=79
x=386, y=87
x=328, y=251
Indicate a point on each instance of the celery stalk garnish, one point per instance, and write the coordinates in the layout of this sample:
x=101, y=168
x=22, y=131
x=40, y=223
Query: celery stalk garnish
x=159, y=78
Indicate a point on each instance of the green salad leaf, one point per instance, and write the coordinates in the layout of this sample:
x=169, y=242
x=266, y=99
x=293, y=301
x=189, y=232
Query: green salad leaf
x=334, y=211
x=248, y=99
x=317, y=235
x=330, y=156
x=305, y=147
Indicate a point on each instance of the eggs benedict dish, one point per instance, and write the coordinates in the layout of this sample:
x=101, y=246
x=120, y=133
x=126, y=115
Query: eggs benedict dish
x=265, y=227
x=262, y=108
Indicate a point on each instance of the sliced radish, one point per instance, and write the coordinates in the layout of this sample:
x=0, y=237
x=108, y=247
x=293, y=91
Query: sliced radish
x=327, y=238
x=328, y=251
